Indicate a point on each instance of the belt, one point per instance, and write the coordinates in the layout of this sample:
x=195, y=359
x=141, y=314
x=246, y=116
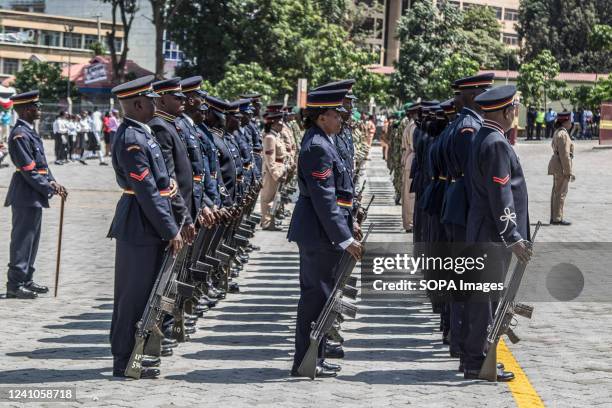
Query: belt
x=279, y=160
x=442, y=178
x=164, y=193
x=39, y=171
x=344, y=203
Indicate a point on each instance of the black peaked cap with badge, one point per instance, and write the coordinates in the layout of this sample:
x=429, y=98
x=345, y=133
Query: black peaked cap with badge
x=26, y=98
x=168, y=86
x=193, y=84
x=326, y=99
x=496, y=98
x=480, y=81
x=138, y=87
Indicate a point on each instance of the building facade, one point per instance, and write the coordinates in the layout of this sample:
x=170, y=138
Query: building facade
x=44, y=37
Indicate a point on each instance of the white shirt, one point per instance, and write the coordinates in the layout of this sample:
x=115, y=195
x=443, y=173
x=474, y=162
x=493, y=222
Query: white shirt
x=97, y=121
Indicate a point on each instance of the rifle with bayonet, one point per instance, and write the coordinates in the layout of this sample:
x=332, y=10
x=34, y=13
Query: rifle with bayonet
x=333, y=308
x=504, y=319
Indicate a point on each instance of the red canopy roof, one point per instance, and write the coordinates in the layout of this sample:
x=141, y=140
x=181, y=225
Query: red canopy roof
x=98, y=72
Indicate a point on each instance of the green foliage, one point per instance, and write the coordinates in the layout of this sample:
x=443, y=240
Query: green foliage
x=591, y=97
x=272, y=41
x=98, y=48
x=45, y=77
x=440, y=80
x=537, y=81
x=601, y=37
x=437, y=39
x=571, y=29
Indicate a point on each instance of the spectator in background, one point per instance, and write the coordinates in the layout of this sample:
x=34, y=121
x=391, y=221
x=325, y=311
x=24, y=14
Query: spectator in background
x=371, y=129
x=531, y=115
x=94, y=146
x=83, y=129
x=588, y=124
x=113, y=124
x=596, y=120
x=575, y=125
x=5, y=125
x=106, y=130
x=581, y=123
x=59, y=135
x=550, y=118
x=539, y=123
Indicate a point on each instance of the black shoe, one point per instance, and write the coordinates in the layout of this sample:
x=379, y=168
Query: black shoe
x=445, y=340
x=455, y=354
x=334, y=352
x=21, y=293
x=150, y=361
x=166, y=352
x=503, y=376
x=320, y=372
x=201, y=309
x=330, y=366
x=37, y=288
x=103, y=164
x=145, y=373
x=564, y=222
x=83, y=162
x=233, y=287
x=190, y=329
x=409, y=231
x=169, y=343
x=272, y=227
x=254, y=247
x=59, y=163
x=189, y=323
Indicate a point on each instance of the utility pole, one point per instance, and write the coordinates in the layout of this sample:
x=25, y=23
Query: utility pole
x=97, y=16
x=68, y=29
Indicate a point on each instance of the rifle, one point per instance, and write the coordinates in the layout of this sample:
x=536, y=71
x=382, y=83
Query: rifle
x=159, y=303
x=504, y=318
x=362, y=215
x=332, y=309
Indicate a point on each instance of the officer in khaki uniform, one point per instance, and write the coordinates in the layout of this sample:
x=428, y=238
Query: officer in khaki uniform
x=560, y=167
x=407, y=157
x=274, y=168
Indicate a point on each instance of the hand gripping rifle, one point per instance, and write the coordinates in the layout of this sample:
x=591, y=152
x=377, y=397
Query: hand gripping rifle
x=160, y=302
x=362, y=213
x=504, y=318
x=334, y=307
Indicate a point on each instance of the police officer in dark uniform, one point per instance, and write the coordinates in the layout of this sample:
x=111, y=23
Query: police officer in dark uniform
x=143, y=224
x=247, y=135
x=240, y=108
x=254, y=130
x=498, y=211
x=322, y=223
x=31, y=187
x=227, y=170
x=204, y=182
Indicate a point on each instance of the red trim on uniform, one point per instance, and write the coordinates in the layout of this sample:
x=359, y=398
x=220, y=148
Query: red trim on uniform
x=502, y=181
x=322, y=174
x=467, y=129
x=141, y=176
x=29, y=166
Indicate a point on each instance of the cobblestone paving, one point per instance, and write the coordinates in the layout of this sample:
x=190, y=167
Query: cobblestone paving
x=241, y=353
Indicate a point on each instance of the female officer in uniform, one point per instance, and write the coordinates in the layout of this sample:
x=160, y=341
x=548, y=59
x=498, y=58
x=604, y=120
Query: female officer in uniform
x=322, y=224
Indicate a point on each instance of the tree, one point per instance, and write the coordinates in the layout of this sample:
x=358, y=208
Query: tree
x=163, y=11
x=567, y=29
x=127, y=11
x=481, y=31
x=244, y=78
x=537, y=80
x=97, y=48
x=45, y=77
x=454, y=67
x=287, y=39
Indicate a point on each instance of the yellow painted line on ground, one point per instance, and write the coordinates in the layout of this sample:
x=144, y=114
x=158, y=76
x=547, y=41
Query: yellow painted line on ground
x=523, y=392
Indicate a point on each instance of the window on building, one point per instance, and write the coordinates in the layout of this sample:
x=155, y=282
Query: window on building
x=118, y=44
x=497, y=11
x=50, y=38
x=510, y=39
x=10, y=66
x=89, y=40
x=73, y=40
x=511, y=15
x=8, y=30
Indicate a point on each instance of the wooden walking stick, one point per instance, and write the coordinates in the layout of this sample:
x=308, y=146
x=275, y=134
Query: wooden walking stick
x=59, y=245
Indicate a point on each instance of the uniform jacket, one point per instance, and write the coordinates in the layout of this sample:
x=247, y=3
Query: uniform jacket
x=322, y=214
x=344, y=145
x=213, y=161
x=563, y=152
x=177, y=163
x=456, y=152
x=144, y=213
x=499, y=203
x=227, y=167
x=31, y=183
x=274, y=156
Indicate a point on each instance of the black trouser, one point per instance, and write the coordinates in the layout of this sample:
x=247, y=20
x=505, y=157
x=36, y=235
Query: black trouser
x=538, y=131
x=549, y=129
x=317, y=266
x=530, y=131
x=136, y=267
x=25, y=236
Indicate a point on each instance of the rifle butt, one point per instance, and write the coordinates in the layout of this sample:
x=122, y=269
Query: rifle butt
x=134, y=366
x=152, y=346
x=308, y=366
x=488, y=371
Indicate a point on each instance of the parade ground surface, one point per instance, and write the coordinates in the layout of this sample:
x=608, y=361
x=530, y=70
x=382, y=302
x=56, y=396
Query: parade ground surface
x=241, y=354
